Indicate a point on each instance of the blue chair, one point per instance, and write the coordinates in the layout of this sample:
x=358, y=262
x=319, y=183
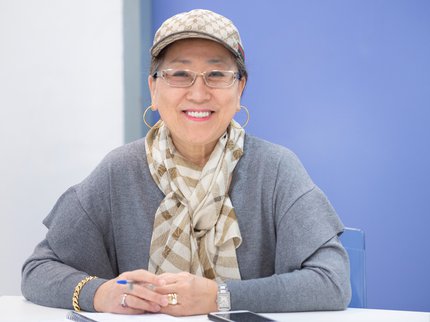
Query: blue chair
x=353, y=241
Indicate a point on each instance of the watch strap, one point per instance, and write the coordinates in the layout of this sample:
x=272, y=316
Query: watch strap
x=223, y=297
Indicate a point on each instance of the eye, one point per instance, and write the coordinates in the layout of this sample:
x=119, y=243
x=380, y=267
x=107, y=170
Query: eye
x=216, y=74
x=181, y=74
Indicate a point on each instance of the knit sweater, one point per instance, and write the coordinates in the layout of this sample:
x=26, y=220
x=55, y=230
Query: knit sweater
x=290, y=258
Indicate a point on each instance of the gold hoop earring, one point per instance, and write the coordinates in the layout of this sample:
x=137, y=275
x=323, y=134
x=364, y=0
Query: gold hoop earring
x=247, y=118
x=144, y=117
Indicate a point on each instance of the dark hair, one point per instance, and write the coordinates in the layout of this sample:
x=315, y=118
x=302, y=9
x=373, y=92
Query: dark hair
x=157, y=61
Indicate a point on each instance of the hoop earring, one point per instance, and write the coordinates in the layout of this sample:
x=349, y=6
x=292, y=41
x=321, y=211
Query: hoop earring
x=144, y=117
x=247, y=118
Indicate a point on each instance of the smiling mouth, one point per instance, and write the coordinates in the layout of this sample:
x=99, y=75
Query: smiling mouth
x=198, y=114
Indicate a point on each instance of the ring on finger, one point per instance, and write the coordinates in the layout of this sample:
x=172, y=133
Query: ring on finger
x=172, y=298
x=123, y=300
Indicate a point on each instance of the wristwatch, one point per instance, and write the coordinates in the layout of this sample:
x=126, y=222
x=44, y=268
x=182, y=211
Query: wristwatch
x=223, y=297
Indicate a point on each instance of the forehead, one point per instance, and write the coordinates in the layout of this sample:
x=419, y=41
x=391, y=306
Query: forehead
x=189, y=51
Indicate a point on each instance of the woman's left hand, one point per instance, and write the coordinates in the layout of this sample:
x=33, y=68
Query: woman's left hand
x=195, y=294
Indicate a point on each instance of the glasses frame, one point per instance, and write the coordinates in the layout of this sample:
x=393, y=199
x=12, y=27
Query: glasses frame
x=161, y=74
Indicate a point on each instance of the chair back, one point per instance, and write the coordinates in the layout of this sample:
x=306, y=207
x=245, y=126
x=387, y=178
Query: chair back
x=353, y=241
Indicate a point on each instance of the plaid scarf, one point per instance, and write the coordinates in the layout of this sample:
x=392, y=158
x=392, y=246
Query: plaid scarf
x=195, y=226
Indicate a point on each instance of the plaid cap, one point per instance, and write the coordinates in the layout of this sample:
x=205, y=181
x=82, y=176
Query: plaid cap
x=198, y=23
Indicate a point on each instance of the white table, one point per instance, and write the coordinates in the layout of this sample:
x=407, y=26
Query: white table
x=17, y=309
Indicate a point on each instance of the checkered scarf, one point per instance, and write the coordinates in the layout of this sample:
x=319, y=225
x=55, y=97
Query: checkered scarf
x=195, y=226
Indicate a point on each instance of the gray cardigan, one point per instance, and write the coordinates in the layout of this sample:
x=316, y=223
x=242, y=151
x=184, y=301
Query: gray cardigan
x=290, y=258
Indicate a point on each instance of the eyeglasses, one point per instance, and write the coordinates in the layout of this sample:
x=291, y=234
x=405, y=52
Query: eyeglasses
x=186, y=78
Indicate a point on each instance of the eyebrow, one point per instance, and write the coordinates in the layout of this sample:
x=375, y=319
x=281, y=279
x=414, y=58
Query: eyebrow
x=217, y=61
x=180, y=60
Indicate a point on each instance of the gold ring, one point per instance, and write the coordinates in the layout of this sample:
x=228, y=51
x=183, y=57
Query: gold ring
x=123, y=302
x=172, y=298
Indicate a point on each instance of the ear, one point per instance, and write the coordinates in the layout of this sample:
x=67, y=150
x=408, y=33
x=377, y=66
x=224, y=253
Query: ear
x=152, y=84
x=241, y=87
x=242, y=84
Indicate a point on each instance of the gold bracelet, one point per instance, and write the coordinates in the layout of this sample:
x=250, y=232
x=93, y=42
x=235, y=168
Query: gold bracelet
x=77, y=291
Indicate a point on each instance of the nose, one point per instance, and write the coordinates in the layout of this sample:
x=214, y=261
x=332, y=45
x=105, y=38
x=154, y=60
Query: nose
x=199, y=91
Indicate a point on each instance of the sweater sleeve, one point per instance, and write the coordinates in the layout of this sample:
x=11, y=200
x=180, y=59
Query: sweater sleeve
x=73, y=249
x=311, y=268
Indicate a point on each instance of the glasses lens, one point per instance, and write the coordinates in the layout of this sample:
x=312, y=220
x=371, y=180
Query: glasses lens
x=185, y=78
x=219, y=78
x=179, y=78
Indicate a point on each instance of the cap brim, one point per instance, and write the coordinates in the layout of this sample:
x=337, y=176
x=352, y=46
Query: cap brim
x=163, y=43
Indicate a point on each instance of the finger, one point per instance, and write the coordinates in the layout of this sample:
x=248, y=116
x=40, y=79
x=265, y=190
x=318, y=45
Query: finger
x=180, y=275
x=129, y=310
x=136, y=304
x=166, y=276
x=171, y=278
x=175, y=310
x=121, y=305
x=169, y=288
x=149, y=294
x=143, y=276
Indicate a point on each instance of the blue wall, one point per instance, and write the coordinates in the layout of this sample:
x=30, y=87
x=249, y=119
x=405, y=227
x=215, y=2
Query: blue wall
x=346, y=85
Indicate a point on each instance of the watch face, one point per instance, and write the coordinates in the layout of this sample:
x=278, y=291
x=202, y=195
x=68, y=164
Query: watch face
x=224, y=301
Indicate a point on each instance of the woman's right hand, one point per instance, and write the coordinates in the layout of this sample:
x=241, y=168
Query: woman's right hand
x=140, y=299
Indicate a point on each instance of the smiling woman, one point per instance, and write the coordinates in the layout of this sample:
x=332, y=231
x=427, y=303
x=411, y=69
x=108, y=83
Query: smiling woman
x=197, y=114
x=198, y=216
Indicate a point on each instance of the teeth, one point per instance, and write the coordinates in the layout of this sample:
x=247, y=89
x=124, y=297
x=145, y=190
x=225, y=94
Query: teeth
x=199, y=114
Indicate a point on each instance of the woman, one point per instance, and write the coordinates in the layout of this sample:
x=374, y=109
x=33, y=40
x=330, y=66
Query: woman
x=197, y=208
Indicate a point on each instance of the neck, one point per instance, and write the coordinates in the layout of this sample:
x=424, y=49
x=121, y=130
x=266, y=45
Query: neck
x=196, y=154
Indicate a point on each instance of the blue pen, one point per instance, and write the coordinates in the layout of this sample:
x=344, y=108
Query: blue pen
x=130, y=284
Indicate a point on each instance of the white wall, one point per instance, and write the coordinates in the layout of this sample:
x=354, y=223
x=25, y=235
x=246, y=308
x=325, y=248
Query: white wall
x=61, y=111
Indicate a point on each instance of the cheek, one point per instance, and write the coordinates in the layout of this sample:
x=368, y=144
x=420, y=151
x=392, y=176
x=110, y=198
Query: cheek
x=160, y=98
x=160, y=93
